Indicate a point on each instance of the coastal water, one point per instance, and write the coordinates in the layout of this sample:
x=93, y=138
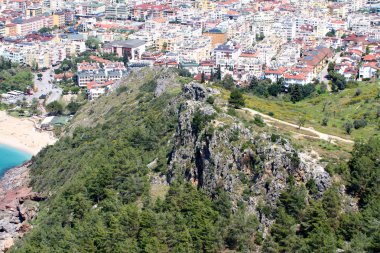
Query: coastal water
x=11, y=157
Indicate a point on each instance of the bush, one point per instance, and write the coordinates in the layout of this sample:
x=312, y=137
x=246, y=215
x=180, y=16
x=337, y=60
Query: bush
x=274, y=89
x=348, y=127
x=358, y=92
x=55, y=108
x=360, y=123
x=312, y=186
x=73, y=107
x=210, y=100
x=258, y=121
x=271, y=114
x=200, y=120
x=236, y=99
x=325, y=121
x=228, y=82
x=184, y=73
x=275, y=137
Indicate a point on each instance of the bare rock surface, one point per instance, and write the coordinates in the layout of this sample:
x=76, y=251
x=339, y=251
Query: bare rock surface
x=251, y=167
x=18, y=205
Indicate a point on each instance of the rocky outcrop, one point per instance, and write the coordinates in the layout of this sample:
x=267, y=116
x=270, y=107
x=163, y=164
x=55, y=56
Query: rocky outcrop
x=224, y=153
x=166, y=79
x=18, y=205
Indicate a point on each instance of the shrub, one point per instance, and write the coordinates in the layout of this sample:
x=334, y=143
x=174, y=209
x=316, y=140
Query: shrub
x=200, y=120
x=274, y=137
x=55, y=108
x=236, y=99
x=210, y=100
x=360, y=123
x=258, y=121
x=348, y=127
x=358, y=92
x=184, y=72
x=312, y=186
x=325, y=121
x=271, y=114
x=73, y=107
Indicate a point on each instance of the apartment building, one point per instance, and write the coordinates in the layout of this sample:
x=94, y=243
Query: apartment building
x=92, y=72
x=218, y=36
x=90, y=8
x=59, y=19
x=26, y=26
x=33, y=11
x=249, y=64
x=117, y=11
x=149, y=11
x=226, y=55
x=196, y=49
x=133, y=48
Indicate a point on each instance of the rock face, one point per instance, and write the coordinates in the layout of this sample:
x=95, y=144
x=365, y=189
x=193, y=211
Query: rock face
x=18, y=205
x=226, y=154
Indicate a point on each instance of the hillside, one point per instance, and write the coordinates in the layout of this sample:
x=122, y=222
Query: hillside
x=161, y=166
x=347, y=106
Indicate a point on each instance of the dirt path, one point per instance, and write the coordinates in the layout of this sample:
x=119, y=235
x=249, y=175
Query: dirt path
x=321, y=136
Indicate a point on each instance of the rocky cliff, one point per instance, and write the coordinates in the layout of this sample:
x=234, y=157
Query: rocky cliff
x=215, y=150
x=18, y=206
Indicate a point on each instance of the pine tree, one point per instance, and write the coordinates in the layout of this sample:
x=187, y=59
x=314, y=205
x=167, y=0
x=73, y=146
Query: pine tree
x=125, y=59
x=236, y=99
x=295, y=93
x=219, y=74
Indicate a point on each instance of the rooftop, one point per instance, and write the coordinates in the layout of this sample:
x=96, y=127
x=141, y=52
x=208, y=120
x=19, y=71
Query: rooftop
x=132, y=43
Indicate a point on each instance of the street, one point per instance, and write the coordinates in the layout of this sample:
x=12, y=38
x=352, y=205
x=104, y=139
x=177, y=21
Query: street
x=322, y=75
x=44, y=87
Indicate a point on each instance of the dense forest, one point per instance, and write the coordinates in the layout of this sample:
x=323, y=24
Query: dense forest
x=100, y=197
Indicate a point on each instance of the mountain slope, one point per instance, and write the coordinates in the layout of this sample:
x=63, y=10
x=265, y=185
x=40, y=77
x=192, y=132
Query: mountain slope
x=223, y=185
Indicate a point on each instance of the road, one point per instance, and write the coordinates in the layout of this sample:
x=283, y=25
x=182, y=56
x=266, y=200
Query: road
x=46, y=87
x=322, y=75
x=321, y=136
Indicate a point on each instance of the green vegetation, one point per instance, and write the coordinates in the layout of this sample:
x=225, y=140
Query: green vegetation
x=13, y=77
x=16, y=78
x=236, y=99
x=323, y=226
x=55, y=108
x=329, y=112
x=92, y=43
x=101, y=199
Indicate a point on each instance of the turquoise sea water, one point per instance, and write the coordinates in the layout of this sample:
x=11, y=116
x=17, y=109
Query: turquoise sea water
x=11, y=157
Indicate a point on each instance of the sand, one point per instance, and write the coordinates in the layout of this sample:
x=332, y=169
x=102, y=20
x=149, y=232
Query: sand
x=21, y=134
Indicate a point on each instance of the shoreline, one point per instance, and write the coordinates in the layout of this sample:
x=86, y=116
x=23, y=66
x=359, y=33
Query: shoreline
x=20, y=133
x=18, y=203
x=18, y=146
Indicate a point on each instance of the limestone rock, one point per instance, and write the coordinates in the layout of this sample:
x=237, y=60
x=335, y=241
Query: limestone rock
x=250, y=166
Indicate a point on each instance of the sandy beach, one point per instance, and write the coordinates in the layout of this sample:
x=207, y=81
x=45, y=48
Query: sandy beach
x=21, y=134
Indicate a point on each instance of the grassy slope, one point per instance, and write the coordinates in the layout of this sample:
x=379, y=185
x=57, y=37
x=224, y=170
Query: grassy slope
x=342, y=107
